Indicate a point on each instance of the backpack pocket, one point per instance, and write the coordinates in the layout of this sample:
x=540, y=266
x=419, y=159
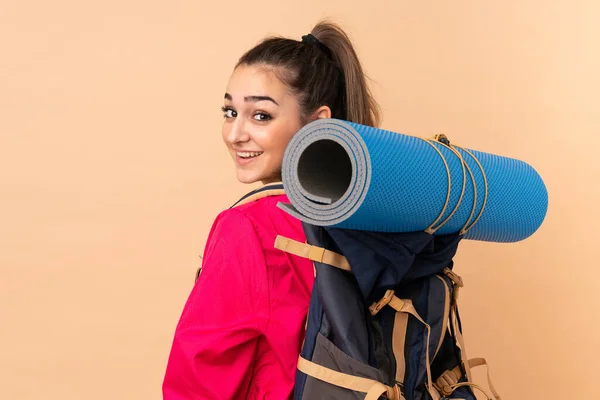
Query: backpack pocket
x=334, y=375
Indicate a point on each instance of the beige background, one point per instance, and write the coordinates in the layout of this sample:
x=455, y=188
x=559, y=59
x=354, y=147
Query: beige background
x=112, y=169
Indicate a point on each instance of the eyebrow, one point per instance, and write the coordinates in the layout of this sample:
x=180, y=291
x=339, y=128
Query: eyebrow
x=252, y=98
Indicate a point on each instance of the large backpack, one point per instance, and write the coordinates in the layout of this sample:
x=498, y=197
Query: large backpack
x=383, y=320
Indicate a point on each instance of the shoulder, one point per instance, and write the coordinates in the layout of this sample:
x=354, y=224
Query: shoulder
x=260, y=206
x=230, y=228
x=233, y=249
x=257, y=215
x=251, y=206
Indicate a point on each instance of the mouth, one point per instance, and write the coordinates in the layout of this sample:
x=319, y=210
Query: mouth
x=248, y=155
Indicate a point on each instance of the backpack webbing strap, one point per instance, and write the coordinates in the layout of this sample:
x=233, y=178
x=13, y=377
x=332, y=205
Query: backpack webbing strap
x=448, y=382
x=406, y=306
x=461, y=341
x=398, y=343
x=311, y=252
x=374, y=389
x=457, y=284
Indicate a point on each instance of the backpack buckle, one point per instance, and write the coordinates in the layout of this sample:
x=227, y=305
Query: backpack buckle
x=456, y=280
x=447, y=380
x=454, y=277
x=394, y=393
x=385, y=300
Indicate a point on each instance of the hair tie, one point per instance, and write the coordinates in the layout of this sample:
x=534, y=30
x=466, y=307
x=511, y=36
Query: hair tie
x=311, y=40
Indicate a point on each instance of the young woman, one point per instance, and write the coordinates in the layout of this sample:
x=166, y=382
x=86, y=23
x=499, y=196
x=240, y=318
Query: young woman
x=242, y=328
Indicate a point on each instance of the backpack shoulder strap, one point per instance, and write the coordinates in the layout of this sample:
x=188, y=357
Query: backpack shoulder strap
x=273, y=189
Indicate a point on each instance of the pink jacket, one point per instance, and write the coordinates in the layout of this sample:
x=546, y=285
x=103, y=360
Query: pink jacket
x=242, y=327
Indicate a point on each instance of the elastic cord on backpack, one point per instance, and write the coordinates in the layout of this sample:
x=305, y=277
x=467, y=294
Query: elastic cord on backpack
x=467, y=227
x=442, y=140
x=430, y=229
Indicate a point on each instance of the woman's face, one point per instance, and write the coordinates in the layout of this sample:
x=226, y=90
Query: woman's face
x=261, y=116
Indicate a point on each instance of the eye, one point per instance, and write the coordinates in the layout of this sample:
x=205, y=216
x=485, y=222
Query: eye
x=260, y=116
x=228, y=112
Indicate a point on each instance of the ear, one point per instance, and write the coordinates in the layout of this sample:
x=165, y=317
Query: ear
x=322, y=112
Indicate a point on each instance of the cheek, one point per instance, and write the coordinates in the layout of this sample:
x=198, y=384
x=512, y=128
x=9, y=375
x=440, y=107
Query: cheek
x=266, y=138
x=225, y=134
x=277, y=137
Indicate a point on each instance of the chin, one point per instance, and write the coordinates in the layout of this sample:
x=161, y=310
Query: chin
x=246, y=178
x=250, y=178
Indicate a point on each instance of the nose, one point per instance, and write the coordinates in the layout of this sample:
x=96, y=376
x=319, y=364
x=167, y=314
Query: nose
x=237, y=132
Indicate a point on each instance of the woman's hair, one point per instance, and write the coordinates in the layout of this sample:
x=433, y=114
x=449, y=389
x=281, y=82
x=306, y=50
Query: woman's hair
x=325, y=71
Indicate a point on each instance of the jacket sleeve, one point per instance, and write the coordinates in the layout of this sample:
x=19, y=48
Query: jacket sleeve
x=224, y=317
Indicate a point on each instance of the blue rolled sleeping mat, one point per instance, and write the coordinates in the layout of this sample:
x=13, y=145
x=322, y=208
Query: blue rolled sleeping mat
x=350, y=176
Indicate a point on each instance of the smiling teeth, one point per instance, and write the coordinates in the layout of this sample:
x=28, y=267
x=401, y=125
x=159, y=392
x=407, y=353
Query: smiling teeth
x=249, y=154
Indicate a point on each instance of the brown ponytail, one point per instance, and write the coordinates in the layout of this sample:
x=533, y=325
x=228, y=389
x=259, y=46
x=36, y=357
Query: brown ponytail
x=361, y=107
x=331, y=75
